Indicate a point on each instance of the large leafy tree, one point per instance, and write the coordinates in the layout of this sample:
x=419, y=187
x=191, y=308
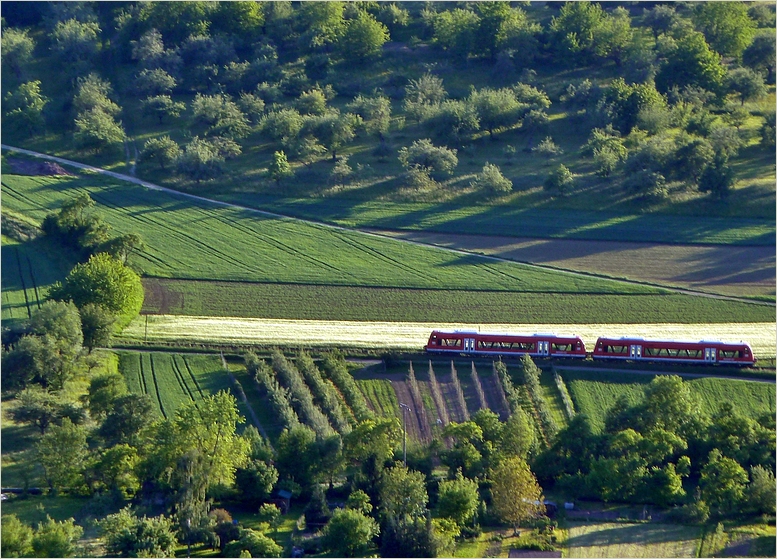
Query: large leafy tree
x=16, y=537
x=363, y=37
x=403, y=493
x=103, y=391
x=723, y=482
x=746, y=83
x=349, y=533
x=425, y=156
x=106, y=282
x=16, y=48
x=24, y=107
x=62, y=452
x=458, y=499
x=126, y=535
x=496, y=108
x=691, y=62
x=760, y=55
x=76, y=41
x=456, y=31
x=128, y=419
x=56, y=539
x=515, y=492
x=726, y=25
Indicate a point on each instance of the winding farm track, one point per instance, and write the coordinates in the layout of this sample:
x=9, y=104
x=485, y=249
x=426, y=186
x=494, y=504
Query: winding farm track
x=455, y=243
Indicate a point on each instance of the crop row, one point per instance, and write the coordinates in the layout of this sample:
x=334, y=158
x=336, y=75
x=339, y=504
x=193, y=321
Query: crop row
x=411, y=335
x=332, y=302
x=593, y=393
x=198, y=240
x=172, y=379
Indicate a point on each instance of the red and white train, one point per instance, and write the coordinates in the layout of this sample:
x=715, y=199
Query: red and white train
x=470, y=342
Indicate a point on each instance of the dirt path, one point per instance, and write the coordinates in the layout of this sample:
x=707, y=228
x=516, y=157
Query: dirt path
x=448, y=389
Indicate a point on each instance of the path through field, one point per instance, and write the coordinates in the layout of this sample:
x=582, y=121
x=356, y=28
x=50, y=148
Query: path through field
x=723, y=269
x=412, y=335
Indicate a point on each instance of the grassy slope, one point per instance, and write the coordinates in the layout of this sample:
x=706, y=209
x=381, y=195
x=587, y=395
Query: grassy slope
x=593, y=393
x=195, y=241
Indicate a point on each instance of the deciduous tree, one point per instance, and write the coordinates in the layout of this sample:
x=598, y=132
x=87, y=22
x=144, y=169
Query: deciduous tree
x=165, y=151
x=56, y=539
x=363, y=38
x=458, y=499
x=726, y=26
x=62, y=452
x=126, y=535
x=279, y=167
x=492, y=180
x=349, y=533
x=24, y=107
x=16, y=537
x=515, y=492
x=16, y=48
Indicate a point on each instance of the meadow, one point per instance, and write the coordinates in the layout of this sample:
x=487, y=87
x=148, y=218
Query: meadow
x=631, y=540
x=338, y=302
x=412, y=336
x=593, y=393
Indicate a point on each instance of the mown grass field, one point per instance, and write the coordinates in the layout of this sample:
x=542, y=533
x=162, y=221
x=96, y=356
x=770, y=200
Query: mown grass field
x=172, y=379
x=631, y=540
x=593, y=393
x=28, y=271
x=410, y=336
x=198, y=240
x=337, y=302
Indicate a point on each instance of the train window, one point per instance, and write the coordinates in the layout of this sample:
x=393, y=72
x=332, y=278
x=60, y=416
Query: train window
x=450, y=342
x=562, y=347
x=729, y=354
x=616, y=349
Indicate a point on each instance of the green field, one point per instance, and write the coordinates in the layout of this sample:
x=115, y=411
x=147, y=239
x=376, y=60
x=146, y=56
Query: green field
x=631, y=540
x=28, y=271
x=172, y=379
x=593, y=393
x=198, y=240
x=513, y=221
x=337, y=302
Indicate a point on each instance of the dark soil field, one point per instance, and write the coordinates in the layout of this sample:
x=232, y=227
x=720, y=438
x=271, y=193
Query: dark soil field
x=743, y=271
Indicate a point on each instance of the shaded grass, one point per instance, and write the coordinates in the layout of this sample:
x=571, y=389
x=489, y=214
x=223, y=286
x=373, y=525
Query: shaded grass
x=34, y=508
x=28, y=271
x=331, y=302
x=381, y=396
x=631, y=540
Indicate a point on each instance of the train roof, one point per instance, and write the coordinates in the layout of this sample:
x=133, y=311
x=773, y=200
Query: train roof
x=514, y=334
x=662, y=341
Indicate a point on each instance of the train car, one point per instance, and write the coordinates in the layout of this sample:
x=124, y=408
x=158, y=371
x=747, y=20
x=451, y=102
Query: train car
x=469, y=342
x=675, y=351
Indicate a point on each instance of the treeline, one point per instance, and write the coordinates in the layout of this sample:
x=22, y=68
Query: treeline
x=671, y=119
x=664, y=451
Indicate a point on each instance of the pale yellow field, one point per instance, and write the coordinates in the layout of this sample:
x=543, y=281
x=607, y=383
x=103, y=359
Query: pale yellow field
x=413, y=335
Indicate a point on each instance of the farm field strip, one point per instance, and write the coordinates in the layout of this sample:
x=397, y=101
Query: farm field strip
x=199, y=240
x=410, y=335
x=333, y=302
x=172, y=379
x=381, y=396
x=631, y=540
x=594, y=393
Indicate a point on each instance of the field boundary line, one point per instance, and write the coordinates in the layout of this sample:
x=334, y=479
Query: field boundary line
x=370, y=233
x=156, y=385
x=658, y=373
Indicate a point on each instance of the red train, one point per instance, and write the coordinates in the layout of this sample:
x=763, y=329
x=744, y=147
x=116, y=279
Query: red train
x=470, y=342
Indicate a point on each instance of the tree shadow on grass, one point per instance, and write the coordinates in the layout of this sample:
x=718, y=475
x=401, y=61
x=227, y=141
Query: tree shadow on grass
x=631, y=534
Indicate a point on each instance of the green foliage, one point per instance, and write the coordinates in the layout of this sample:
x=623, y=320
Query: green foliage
x=761, y=490
x=336, y=370
x=253, y=542
x=691, y=62
x=154, y=82
x=458, y=499
x=103, y=390
x=455, y=31
x=496, y=108
x=16, y=537
x=126, y=535
x=279, y=168
x=24, y=107
x=426, y=157
x=62, y=451
x=128, y=419
x=324, y=392
x=514, y=491
x=727, y=26
x=17, y=48
x=106, y=282
x=452, y=121
x=161, y=106
x=37, y=407
x=375, y=112
x=200, y=160
x=301, y=396
x=723, y=483
x=116, y=470
x=334, y=130
x=760, y=55
x=98, y=131
x=75, y=41
x=403, y=494
x=349, y=533
x=746, y=83
x=717, y=178
x=97, y=325
x=560, y=181
x=297, y=456
x=56, y=539
x=363, y=38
